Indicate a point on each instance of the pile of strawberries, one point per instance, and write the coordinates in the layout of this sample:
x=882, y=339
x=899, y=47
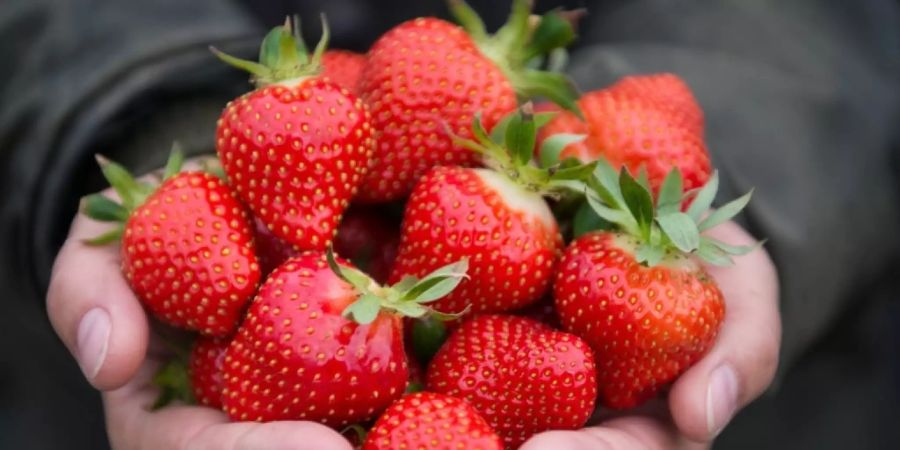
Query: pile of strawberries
x=401, y=243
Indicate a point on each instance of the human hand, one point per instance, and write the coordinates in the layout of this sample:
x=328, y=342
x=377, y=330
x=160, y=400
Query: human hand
x=103, y=324
x=738, y=368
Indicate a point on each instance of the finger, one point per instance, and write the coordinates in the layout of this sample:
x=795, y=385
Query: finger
x=742, y=363
x=629, y=433
x=131, y=424
x=93, y=310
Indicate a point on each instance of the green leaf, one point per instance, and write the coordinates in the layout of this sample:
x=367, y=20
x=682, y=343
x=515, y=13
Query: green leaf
x=175, y=161
x=322, y=45
x=428, y=334
x=514, y=33
x=174, y=383
x=639, y=201
x=468, y=19
x=649, y=254
x=554, y=31
x=446, y=317
x=669, y=199
x=478, y=130
x=543, y=118
x=359, y=280
x=109, y=237
x=270, y=49
x=364, y=310
x=553, y=146
x=616, y=216
x=712, y=254
x=406, y=283
x=644, y=180
x=438, y=283
x=704, y=198
x=554, y=86
x=520, y=137
x=726, y=212
x=736, y=250
x=258, y=70
x=99, y=207
x=609, y=182
x=681, y=230
x=498, y=133
x=409, y=309
x=558, y=60
x=121, y=180
x=587, y=220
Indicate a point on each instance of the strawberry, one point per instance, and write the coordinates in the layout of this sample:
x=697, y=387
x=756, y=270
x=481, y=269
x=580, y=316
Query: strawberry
x=205, y=368
x=427, y=75
x=343, y=67
x=433, y=421
x=496, y=218
x=270, y=249
x=187, y=248
x=639, y=294
x=521, y=375
x=297, y=147
x=651, y=122
x=369, y=239
x=323, y=342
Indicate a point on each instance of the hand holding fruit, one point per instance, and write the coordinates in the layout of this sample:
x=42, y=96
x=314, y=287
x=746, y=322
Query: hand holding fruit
x=287, y=331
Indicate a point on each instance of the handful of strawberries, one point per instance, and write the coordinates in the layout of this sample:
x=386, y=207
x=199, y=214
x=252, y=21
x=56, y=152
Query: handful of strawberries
x=560, y=250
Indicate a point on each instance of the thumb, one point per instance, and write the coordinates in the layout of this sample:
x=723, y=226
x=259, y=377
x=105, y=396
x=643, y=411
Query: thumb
x=93, y=310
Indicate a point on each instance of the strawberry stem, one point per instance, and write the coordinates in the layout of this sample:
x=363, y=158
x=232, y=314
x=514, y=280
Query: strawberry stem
x=283, y=55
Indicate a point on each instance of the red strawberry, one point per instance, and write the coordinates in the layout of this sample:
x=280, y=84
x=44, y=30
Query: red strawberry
x=640, y=296
x=427, y=75
x=632, y=125
x=432, y=421
x=297, y=147
x=270, y=249
x=544, y=311
x=187, y=248
x=522, y=376
x=205, y=368
x=318, y=347
x=343, y=68
x=496, y=218
x=670, y=91
x=369, y=238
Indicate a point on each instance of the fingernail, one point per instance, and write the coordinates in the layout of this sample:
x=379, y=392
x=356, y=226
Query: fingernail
x=721, y=398
x=93, y=341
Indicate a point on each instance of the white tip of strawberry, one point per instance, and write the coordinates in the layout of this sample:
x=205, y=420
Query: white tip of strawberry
x=517, y=197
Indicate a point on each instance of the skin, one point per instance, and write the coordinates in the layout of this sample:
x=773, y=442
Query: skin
x=86, y=277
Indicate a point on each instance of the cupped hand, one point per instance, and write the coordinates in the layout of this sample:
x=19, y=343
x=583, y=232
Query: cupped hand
x=99, y=319
x=738, y=368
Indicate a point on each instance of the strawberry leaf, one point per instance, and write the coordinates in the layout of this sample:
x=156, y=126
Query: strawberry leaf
x=406, y=283
x=109, y=237
x=553, y=146
x=704, y=198
x=554, y=31
x=616, y=216
x=175, y=161
x=520, y=137
x=649, y=254
x=438, y=283
x=468, y=19
x=99, y=207
x=587, y=220
x=643, y=179
x=446, y=317
x=359, y=280
x=681, y=230
x=726, y=212
x=554, y=86
x=712, y=254
x=364, y=310
x=639, y=202
x=670, y=192
x=736, y=250
x=409, y=309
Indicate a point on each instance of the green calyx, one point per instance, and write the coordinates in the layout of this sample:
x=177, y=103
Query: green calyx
x=408, y=297
x=132, y=193
x=509, y=149
x=525, y=43
x=282, y=56
x=661, y=228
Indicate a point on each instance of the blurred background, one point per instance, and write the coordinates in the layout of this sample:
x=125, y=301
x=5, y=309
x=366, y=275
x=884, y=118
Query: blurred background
x=801, y=101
